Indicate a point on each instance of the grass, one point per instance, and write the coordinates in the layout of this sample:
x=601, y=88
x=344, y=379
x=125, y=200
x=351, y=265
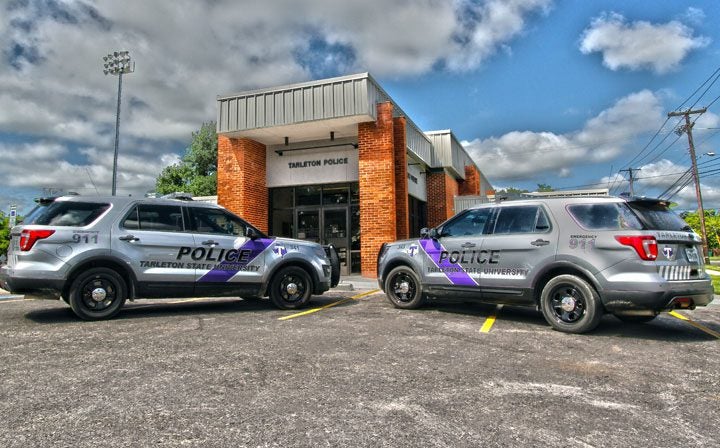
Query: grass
x=715, y=279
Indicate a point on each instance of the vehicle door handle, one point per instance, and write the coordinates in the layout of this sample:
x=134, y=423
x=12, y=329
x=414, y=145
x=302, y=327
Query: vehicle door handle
x=540, y=242
x=209, y=243
x=467, y=245
x=129, y=238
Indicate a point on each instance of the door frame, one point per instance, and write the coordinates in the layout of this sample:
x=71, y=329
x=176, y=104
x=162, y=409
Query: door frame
x=321, y=209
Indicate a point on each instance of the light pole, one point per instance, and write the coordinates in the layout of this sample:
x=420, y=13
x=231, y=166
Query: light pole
x=117, y=63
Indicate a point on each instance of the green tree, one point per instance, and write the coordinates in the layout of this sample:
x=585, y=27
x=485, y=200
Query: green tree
x=545, y=187
x=197, y=171
x=4, y=234
x=712, y=226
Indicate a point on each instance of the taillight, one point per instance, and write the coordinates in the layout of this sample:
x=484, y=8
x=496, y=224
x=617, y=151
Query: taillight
x=645, y=245
x=28, y=238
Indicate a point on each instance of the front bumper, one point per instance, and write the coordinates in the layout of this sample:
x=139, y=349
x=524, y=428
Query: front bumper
x=671, y=295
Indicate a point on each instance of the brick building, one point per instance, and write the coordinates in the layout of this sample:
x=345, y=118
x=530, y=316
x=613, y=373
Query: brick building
x=337, y=161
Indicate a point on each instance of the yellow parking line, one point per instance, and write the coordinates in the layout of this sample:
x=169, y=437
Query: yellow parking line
x=695, y=324
x=329, y=305
x=490, y=320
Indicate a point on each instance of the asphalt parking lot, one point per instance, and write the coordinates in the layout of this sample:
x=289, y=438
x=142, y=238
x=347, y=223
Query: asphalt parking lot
x=352, y=371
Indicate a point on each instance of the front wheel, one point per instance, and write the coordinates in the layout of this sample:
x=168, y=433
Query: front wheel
x=290, y=288
x=402, y=287
x=97, y=294
x=571, y=304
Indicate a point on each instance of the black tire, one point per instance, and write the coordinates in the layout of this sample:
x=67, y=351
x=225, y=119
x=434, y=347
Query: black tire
x=635, y=319
x=570, y=304
x=403, y=288
x=97, y=294
x=291, y=288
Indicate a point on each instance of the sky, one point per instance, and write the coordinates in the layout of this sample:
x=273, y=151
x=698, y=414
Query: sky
x=564, y=93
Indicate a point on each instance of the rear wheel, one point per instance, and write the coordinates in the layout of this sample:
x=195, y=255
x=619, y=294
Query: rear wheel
x=97, y=294
x=402, y=287
x=570, y=304
x=290, y=288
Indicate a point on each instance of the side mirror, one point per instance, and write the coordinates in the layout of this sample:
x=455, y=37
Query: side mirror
x=251, y=233
x=429, y=233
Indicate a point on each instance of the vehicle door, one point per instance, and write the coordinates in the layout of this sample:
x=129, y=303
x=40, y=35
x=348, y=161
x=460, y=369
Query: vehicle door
x=226, y=259
x=455, y=256
x=522, y=239
x=151, y=236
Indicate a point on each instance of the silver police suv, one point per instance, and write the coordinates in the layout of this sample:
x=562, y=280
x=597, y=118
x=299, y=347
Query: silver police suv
x=573, y=258
x=96, y=253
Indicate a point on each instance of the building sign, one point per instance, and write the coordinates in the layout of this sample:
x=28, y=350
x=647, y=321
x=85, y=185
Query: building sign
x=417, y=185
x=338, y=164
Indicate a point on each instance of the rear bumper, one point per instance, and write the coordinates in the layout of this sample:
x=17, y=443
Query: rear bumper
x=671, y=295
x=37, y=288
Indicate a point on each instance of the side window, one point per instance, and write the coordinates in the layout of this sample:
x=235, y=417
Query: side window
x=471, y=223
x=521, y=219
x=608, y=216
x=210, y=220
x=163, y=218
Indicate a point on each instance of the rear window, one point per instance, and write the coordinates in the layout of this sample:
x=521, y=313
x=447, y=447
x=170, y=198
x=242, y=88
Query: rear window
x=658, y=217
x=607, y=216
x=66, y=214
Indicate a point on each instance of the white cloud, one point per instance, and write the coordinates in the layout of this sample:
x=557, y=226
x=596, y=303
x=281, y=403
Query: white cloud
x=51, y=168
x=518, y=155
x=639, y=45
x=487, y=26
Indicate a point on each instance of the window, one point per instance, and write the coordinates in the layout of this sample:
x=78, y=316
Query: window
x=162, y=218
x=608, y=216
x=521, y=219
x=472, y=222
x=210, y=220
x=67, y=214
x=658, y=216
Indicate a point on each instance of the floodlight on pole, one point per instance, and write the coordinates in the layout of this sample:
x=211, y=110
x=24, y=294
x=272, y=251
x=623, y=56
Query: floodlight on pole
x=117, y=63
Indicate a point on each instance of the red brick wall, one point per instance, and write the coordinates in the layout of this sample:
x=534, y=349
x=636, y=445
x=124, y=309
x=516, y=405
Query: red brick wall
x=471, y=185
x=401, y=182
x=441, y=191
x=241, y=179
x=377, y=186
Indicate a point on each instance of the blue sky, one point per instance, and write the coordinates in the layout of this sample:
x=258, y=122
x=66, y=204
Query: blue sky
x=565, y=93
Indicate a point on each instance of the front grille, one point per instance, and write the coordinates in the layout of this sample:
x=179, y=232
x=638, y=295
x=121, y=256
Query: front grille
x=676, y=273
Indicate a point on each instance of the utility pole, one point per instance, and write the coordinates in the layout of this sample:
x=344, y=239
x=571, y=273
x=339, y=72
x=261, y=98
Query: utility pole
x=630, y=172
x=687, y=128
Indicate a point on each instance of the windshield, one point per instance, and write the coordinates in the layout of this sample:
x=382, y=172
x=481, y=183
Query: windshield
x=658, y=217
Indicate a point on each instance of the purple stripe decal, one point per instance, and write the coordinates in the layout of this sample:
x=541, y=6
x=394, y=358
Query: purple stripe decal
x=453, y=271
x=220, y=275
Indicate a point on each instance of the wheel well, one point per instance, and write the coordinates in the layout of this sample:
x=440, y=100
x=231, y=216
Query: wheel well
x=307, y=267
x=561, y=270
x=392, y=265
x=117, y=266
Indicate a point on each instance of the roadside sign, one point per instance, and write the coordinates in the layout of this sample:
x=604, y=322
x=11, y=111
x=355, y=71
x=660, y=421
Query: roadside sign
x=13, y=216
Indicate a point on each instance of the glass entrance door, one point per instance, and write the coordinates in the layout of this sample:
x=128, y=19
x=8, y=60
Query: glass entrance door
x=308, y=225
x=326, y=226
